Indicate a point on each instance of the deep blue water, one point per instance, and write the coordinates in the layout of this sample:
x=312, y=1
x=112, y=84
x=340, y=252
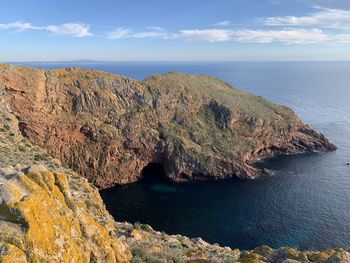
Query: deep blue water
x=305, y=205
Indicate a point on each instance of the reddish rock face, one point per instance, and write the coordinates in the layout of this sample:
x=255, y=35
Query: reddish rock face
x=108, y=127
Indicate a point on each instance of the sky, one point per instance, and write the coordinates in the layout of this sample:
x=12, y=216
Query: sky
x=191, y=30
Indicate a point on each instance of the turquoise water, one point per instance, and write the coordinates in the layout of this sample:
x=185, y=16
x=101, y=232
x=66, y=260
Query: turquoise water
x=306, y=204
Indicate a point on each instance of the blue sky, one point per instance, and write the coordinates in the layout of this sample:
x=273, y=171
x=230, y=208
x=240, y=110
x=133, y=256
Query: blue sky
x=192, y=30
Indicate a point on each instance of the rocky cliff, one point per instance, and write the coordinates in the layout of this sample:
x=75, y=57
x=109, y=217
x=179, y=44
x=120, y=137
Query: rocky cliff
x=108, y=128
x=48, y=213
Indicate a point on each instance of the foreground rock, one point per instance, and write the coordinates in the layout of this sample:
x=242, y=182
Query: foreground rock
x=108, y=128
x=42, y=219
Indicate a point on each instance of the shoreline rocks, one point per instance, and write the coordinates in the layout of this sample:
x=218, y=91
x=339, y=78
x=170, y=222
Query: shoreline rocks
x=147, y=244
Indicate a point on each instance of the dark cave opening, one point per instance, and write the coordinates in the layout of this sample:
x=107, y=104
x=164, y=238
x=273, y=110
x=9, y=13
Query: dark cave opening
x=154, y=172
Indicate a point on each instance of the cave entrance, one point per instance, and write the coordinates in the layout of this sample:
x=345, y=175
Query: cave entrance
x=153, y=172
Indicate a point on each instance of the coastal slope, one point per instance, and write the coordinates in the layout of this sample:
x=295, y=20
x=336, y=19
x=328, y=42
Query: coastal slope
x=108, y=128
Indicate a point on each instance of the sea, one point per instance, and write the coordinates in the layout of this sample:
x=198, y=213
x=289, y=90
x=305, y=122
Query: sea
x=305, y=204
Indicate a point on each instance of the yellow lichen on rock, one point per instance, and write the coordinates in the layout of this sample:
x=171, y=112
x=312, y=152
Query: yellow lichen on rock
x=137, y=234
x=34, y=199
x=12, y=254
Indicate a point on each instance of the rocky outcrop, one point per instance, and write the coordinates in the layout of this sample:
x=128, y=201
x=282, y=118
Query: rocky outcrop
x=42, y=219
x=47, y=212
x=108, y=128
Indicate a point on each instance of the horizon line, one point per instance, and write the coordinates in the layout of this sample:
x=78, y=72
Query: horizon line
x=91, y=61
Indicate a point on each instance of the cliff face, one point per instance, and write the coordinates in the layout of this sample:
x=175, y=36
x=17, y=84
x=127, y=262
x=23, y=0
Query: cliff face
x=108, y=128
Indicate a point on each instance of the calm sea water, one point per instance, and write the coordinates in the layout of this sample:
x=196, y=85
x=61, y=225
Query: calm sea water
x=305, y=205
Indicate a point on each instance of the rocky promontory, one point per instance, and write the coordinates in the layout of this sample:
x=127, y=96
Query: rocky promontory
x=108, y=128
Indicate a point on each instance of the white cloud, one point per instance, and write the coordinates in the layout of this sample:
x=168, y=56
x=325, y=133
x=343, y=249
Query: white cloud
x=150, y=34
x=324, y=25
x=69, y=29
x=337, y=4
x=223, y=23
x=155, y=32
x=291, y=36
x=287, y=36
x=119, y=33
x=324, y=17
x=211, y=35
x=18, y=25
